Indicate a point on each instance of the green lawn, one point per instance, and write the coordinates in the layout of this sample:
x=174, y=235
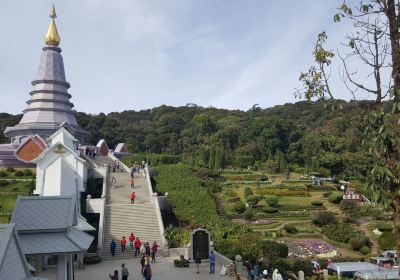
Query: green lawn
x=7, y=203
x=18, y=186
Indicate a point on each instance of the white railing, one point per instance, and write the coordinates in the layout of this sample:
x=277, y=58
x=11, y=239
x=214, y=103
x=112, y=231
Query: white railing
x=154, y=200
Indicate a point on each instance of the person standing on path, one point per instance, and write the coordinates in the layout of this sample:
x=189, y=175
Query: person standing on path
x=132, y=182
x=113, y=245
x=197, y=260
x=142, y=262
x=133, y=196
x=137, y=246
x=123, y=244
x=212, y=262
x=114, y=182
x=124, y=272
x=147, y=273
x=131, y=240
x=154, y=249
x=114, y=276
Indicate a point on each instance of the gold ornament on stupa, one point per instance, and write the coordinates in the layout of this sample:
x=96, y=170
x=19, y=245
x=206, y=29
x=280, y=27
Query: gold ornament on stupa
x=52, y=37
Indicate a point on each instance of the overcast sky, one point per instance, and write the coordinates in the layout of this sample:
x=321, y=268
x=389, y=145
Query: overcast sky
x=122, y=55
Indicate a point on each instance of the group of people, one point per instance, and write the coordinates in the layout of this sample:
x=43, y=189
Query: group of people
x=137, y=247
x=117, y=166
x=90, y=152
x=254, y=272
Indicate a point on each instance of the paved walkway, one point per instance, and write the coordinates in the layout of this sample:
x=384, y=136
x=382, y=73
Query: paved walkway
x=164, y=269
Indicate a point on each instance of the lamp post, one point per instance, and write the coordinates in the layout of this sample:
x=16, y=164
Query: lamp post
x=238, y=260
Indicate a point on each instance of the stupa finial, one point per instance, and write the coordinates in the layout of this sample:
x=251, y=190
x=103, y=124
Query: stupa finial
x=52, y=37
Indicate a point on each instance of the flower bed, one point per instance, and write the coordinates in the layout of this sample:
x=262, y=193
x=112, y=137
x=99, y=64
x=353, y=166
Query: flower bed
x=258, y=222
x=310, y=248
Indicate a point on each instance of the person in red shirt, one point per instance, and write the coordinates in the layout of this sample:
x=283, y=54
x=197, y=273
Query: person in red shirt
x=133, y=196
x=123, y=244
x=131, y=240
x=137, y=246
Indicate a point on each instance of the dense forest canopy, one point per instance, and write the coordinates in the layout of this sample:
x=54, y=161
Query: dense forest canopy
x=284, y=137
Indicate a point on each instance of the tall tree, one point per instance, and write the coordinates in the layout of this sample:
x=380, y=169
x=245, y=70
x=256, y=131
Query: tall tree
x=376, y=35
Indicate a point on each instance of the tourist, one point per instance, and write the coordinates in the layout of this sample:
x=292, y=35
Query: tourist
x=147, y=248
x=114, y=276
x=94, y=153
x=132, y=182
x=147, y=273
x=131, y=240
x=197, y=261
x=154, y=249
x=249, y=268
x=113, y=245
x=132, y=172
x=121, y=168
x=265, y=275
x=276, y=275
x=212, y=262
x=117, y=163
x=237, y=276
x=124, y=272
x=137, y=246
x=114, y=182
x=147, y=260
x=256, y=271
x=114, y=168
x=123, y=244
x=316, y=266
x=142, y=262
x=133, y=196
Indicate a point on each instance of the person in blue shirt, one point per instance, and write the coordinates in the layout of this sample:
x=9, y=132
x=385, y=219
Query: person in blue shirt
x=112, y=247
x=212, y=262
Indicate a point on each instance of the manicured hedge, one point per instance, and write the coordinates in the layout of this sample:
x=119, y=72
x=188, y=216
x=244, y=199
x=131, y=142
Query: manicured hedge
x=151, y=159
x=191, y=202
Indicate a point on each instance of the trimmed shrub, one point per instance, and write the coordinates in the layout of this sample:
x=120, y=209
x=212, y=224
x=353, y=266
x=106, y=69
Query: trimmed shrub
x=335, y=197
x=239, y=207
x=181, y=262
x=244, y=161
x=253, y=200
x=387, y=241
x=269, y=210
x=317, y=203
x=177, y=237
x=19, y=173
x=273, y=249
x=230, y=193
x=247, y=192
x=248, y=214
x=323, y=218
x=28, y=172
x=327, y=194
x=365, y=250
x=289, y=228
x=348, y=206
x=340, y=232
x=233, y=199
x=260, y=215
x=357, y=242
x=4, y=183
x=3, y=173
x=382, y=226
x=272, y=200
x=10, y=169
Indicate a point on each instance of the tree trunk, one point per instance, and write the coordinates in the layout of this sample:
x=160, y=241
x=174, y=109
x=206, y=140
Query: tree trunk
x=396, y=203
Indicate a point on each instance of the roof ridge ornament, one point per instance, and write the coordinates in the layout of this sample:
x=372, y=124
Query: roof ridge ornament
x=52, y=38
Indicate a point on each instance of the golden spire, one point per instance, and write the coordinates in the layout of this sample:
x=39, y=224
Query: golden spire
x=52, y=37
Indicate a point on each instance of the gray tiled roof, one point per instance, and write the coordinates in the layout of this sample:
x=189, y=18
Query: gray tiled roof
x=45, y=213
x=71, y=241
x=13, y=264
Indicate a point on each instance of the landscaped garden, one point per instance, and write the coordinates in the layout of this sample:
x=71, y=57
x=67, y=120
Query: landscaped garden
x=14, y=182
x=297, y=219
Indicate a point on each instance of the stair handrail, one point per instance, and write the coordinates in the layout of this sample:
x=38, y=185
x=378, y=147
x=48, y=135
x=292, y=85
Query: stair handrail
x=158, y=210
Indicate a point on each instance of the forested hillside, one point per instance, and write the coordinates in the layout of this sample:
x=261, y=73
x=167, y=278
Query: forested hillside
x=290, y=136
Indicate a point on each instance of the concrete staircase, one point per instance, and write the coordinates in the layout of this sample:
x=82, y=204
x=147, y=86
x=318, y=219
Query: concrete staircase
x=122, y=218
